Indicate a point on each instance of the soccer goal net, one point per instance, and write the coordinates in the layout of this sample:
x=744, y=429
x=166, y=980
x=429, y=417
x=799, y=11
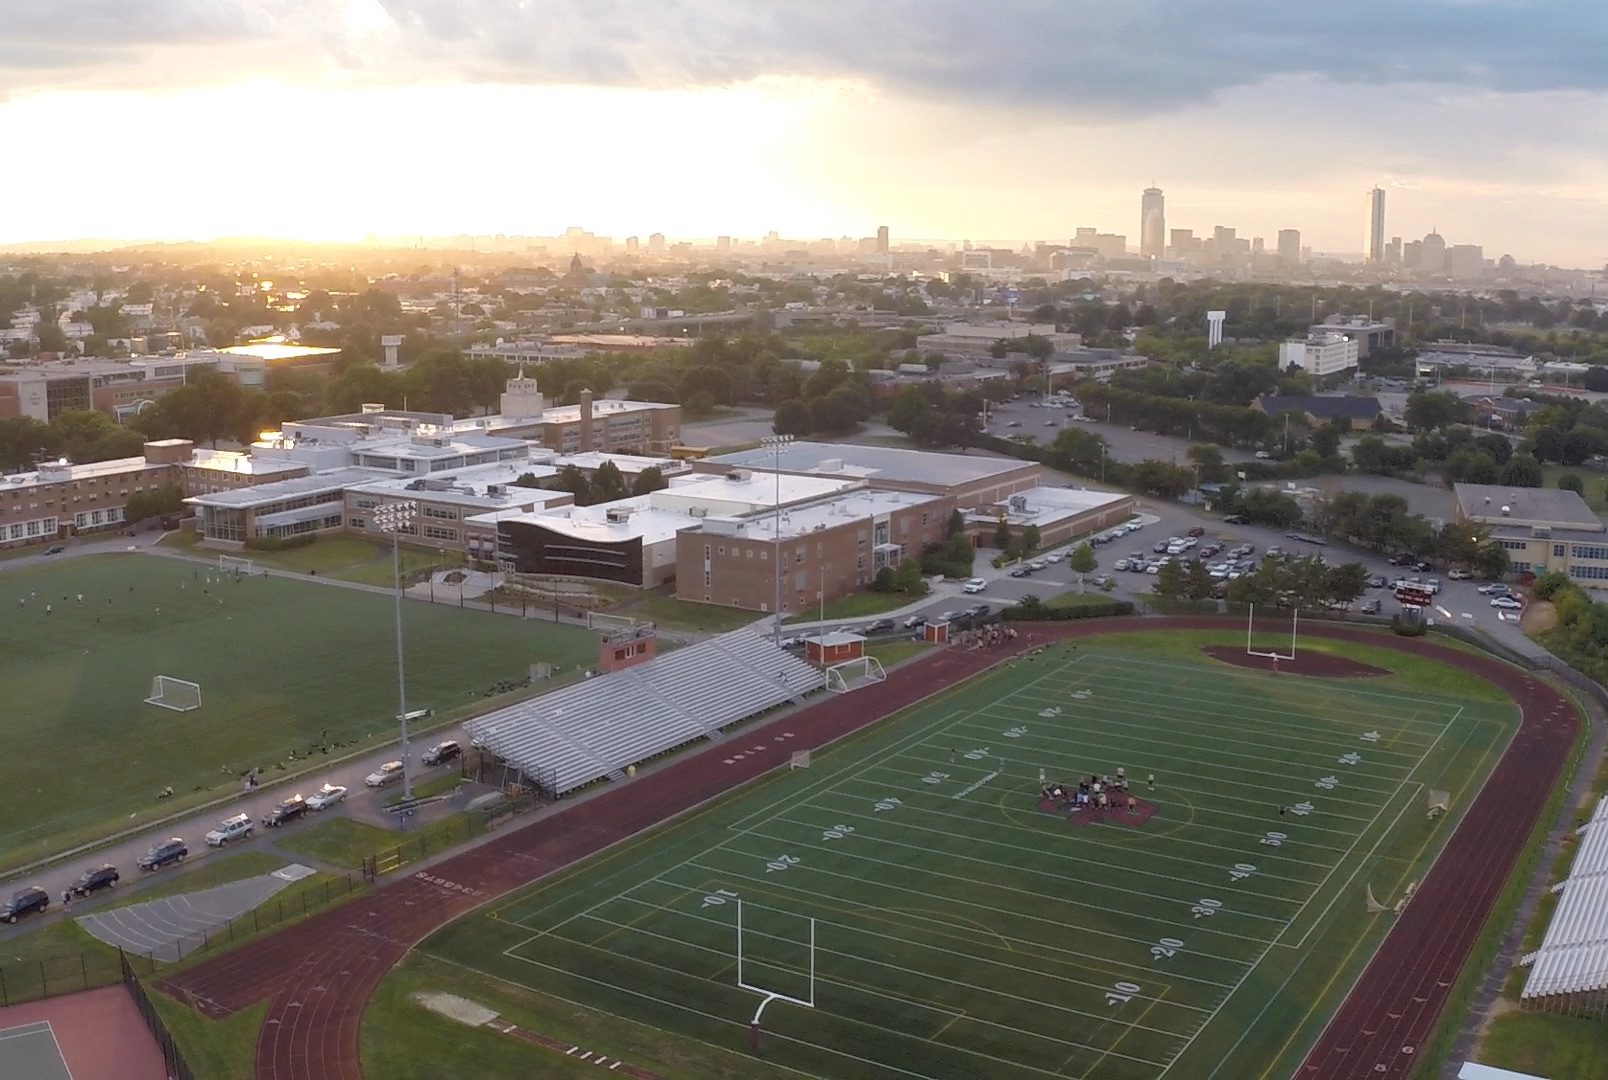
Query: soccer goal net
x=853, y=674
x=799, y=760
x=176, y=694
x=229, y=564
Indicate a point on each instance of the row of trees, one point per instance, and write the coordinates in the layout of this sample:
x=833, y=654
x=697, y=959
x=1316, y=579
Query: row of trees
x=1285, y=581
x=77, y=436
x=606, y=484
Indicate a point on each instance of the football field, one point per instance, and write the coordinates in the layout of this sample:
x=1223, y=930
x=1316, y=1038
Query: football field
x=959, y=930
x=284, y=667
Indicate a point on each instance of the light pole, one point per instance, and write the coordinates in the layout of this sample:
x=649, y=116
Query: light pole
x=397, y=518
x=776, y=443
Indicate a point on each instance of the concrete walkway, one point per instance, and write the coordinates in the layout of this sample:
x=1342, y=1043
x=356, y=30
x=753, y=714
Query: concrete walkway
x=168, y=928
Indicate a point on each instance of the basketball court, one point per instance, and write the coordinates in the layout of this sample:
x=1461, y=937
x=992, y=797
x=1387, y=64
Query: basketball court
x=96, y=1035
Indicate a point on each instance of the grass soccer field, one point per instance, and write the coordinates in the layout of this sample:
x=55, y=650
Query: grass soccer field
x=280, y=663
x=960, y=931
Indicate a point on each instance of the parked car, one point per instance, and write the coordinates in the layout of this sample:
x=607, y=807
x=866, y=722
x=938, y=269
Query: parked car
x=238, y=827
x=172, y=850
x=1458, y=574
x=1433, y=585
x=101, y=877
x=1511, y=603
x=326, y=796
x=288, y=810
x=1371, y=607
x=1099, y=580
x=1422, y=567
x=1198, y=530
x=1120, y=564
x=443, y=752
x=948, y=616
x=1037, y=564
x=977, y=611
x=24, y=902
x=389, y=773
x=1495, y=588
x=1019, y=571
x=879, y=626
x=1377, y=582
x=1401, y=559
x=55, y=549
x=1234, y=519
x=1056, y=556
x=1263, y=455
x=975, y=585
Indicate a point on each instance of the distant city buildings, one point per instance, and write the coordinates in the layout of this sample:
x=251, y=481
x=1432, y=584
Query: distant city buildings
x=882, y=239
x=1290, y=246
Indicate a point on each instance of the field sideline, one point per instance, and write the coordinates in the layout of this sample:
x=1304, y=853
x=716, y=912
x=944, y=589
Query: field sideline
x=283, y=665
x=962, y=932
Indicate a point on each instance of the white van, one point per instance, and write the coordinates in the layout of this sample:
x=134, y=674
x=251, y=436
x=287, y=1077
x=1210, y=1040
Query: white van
x=238, y=827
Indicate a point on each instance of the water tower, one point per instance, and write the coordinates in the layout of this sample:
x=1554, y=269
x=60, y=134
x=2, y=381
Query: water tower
x=1214, y=328
x=390, y=343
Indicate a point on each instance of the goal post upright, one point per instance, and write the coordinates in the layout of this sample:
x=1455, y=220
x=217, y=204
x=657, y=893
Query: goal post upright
x=1271, y=654
x=755, y=1030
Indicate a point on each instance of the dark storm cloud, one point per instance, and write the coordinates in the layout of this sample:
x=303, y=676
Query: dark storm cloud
x=1101, y=56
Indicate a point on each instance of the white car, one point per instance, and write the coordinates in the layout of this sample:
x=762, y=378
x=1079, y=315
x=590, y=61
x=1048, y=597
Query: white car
x=975, y=585
x=1056, y=556
x=389, y=773
x=1457, y=574
x=326, y=797
x=914, y=621
x=1507, y=602
x=239, y=827
x=1037, y=564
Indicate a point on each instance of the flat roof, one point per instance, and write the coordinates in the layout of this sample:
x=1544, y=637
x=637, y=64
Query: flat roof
x=875, y=463
x=238, y=463
x=62, y=472
x=743, y=490
x=405, y=446
x=1041, y=506
x=469, y=486
x=642, y=521
x=262, y=494
x=571, y=414
x=628, y=464
x=1525, y=506
x=800, y=520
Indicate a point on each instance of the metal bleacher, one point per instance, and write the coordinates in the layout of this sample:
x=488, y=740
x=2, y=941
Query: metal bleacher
x=1573, y=957
x=596, y=728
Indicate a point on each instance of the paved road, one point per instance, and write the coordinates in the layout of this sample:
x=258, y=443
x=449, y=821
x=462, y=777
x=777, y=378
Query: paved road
x=363, y=802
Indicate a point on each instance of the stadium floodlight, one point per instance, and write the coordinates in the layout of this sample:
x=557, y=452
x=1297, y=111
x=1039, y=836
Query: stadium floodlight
x=776, y=443
x=397, y=518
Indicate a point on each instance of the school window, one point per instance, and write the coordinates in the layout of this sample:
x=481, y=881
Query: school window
x=1557, y=549
x=1585, y=551
x=1522, y=568
x=1589, y=573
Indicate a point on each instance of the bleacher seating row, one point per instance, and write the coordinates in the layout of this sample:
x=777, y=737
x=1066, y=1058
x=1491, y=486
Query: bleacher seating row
x=1573, y=957
x=598, y=727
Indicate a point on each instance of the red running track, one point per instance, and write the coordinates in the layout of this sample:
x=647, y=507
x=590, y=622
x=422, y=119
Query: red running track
x=320, y=973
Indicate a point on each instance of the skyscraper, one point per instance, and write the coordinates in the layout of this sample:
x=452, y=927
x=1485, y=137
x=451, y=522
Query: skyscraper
x=882, y=239
x=1152, y=223
x=1289, y=246
x=1373, y=245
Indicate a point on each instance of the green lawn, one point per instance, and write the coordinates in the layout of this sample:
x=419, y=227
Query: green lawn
x=663, y=609
x=340, y=841
x=212, y=1048
x=1093, y=597
x=854, y=606
x=961, y=931
x=283, y=665
x=890, y=653
x=1595, y=482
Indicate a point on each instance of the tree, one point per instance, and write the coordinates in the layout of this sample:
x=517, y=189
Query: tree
x=1429, y=410
x=527, y=480
x=908, y=580
x=1083, y=562
x=1169, y=580
x=85, y=436
x=1206, y=457
x=649, y=480
x=607, y=483
x=574, y=481
x=1326, y=441
x=1002, y=535
x=1030, y=540
x=1347, y=582
x=837, y=413
x=23, y=440
x=792, y=418
x=653, y=390
x=705, y=380
x=1522, y=470
x=957, y=524
x=166, y=499
x=1571, y=482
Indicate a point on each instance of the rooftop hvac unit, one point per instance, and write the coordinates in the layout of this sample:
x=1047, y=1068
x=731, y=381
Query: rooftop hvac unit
x=738, y=475
x=617, y=515
x=830, y=465
x=1019, y=504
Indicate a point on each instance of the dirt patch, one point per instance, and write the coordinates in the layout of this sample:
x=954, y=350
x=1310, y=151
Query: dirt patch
x=1538, y=615
x=1320, y=665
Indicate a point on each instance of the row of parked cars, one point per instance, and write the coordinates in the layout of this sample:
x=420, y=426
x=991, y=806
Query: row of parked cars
x=175, y=849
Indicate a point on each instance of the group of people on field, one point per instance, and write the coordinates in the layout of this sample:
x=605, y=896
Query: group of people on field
x=1098, y=792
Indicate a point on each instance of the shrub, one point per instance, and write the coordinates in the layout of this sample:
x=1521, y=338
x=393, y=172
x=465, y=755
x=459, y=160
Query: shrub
x=1033, y=610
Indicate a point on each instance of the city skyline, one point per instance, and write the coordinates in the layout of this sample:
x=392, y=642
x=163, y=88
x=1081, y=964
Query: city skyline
x=416, y=117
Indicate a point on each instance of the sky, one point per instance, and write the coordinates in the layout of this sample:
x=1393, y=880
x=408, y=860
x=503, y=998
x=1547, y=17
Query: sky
x=1005, y=122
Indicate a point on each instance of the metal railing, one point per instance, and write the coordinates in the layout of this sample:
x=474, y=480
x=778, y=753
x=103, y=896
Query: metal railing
x=177, y=1069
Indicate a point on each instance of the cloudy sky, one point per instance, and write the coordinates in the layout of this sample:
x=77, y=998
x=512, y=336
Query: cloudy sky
x=1005, y=120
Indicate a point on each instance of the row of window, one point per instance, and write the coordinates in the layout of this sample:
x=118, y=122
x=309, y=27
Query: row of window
x=94, y=519
x=24, y=530
x=1586, y=551
x=1589, y=573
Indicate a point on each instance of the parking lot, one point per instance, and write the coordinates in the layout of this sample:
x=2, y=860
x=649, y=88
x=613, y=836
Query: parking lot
x=1030, y=416
x=1458, y=601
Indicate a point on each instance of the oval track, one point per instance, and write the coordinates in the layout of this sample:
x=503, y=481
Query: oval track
x=320, y=974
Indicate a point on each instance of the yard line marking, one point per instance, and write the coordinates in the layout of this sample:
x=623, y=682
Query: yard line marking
x=1404, y=784
x=1082, y=839
x=1041, y=835
x=852, y=986
x=807, y=869
x=1105, y=886
x=980, y=991
x=1104, y=965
